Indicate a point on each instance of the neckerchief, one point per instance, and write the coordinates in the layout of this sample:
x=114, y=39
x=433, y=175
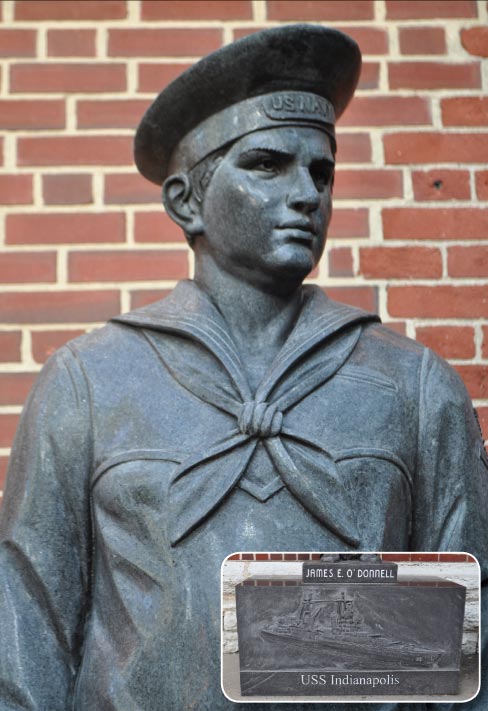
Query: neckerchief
x=201, y=356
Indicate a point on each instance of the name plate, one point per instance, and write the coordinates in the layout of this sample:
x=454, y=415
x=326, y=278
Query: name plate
x=349, y=572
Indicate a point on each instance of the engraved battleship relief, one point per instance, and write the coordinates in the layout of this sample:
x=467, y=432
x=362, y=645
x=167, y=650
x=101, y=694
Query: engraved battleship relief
x=334, y=630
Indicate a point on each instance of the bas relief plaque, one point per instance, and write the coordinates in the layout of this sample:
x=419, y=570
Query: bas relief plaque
x=349, y=638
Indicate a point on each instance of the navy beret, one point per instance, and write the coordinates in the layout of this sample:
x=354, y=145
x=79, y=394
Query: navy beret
x=299, y=62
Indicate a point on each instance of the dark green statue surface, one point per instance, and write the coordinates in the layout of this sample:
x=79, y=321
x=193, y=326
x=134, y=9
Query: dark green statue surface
x=243, y=412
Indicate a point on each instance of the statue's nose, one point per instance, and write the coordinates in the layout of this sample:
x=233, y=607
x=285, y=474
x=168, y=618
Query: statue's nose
x=303, y=194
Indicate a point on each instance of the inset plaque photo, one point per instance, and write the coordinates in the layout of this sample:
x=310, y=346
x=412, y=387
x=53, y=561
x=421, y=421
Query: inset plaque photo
x=331, y=626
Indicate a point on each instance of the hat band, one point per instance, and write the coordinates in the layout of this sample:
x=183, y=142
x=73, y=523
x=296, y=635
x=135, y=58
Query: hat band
x=257, y=113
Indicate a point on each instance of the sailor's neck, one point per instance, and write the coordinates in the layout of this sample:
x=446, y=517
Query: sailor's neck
x=259, y=320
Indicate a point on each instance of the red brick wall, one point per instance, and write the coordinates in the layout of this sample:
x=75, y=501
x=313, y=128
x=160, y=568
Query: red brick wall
x=397, y=557
x=83, y=237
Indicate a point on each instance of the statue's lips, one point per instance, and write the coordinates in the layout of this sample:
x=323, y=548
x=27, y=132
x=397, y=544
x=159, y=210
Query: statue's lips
x=302, y=232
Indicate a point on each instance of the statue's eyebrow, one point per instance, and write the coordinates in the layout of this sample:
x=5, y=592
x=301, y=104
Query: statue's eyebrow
x=280, y=155
x=274, y=152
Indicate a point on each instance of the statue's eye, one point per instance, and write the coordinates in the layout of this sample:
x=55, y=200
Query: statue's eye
x=322, y=175
x=268, y=165
x=260, y=161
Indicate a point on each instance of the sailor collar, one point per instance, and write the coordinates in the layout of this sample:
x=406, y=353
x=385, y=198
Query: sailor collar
x=305, y=467
x=189, y=311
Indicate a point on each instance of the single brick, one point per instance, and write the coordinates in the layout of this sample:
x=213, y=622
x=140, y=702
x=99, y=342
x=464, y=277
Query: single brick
x=368, y=184
x=372, y=40
x=422, y=40
x=155, y=77
x=435, y=223
x=465, y=111
x=370, y=76
x=448, y=341
x=434, y=75
x=14, y=387
x=349, y=223
x=156, y=227
x=143, y=297
x=196, y=10
x=75, y=150
x=22, y=114
x=59, y=306
x=71, y=43
x=3, y=471
x=484, y=345
x=68, y=78
x=44, y=343
x=67, y=189
x=441, y=185
x=129, y=188
x=481, y=179
x=455, y=557
x=430, y=147
x=387, y=111
x=364, y=297
x=468, y=261
x=475, y=40
x=167, y=42
x=475, y=377
x=483, y=419
x=340, y=262
x=127, y=265
x=8, y=427
x=438, y=301
x=70, y=10
x=65, y=228
x=420, y=9
x=24, y=267
x=15, y=189
x=111, y=113
x=17, y=43
x=400, y=262
x=353, y=148
x=10, y=346
x=320, y=10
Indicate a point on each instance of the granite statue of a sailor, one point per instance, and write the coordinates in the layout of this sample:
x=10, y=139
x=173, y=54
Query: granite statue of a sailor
x=243, y=412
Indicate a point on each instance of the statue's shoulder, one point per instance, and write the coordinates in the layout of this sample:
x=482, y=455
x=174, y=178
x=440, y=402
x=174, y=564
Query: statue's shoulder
x=412, y=366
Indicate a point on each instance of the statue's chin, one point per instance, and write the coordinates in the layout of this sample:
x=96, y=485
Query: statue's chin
x=286, y=279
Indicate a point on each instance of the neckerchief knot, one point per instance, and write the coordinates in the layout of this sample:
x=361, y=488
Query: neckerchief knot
x=260, y=419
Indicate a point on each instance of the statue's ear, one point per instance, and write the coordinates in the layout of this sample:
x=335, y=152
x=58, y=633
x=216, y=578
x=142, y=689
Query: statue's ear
x=181, y=205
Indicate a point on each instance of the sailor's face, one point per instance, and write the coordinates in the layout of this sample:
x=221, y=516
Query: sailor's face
x=268, y=205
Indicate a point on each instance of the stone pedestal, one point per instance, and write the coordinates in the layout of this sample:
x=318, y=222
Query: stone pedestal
x=349, y=638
